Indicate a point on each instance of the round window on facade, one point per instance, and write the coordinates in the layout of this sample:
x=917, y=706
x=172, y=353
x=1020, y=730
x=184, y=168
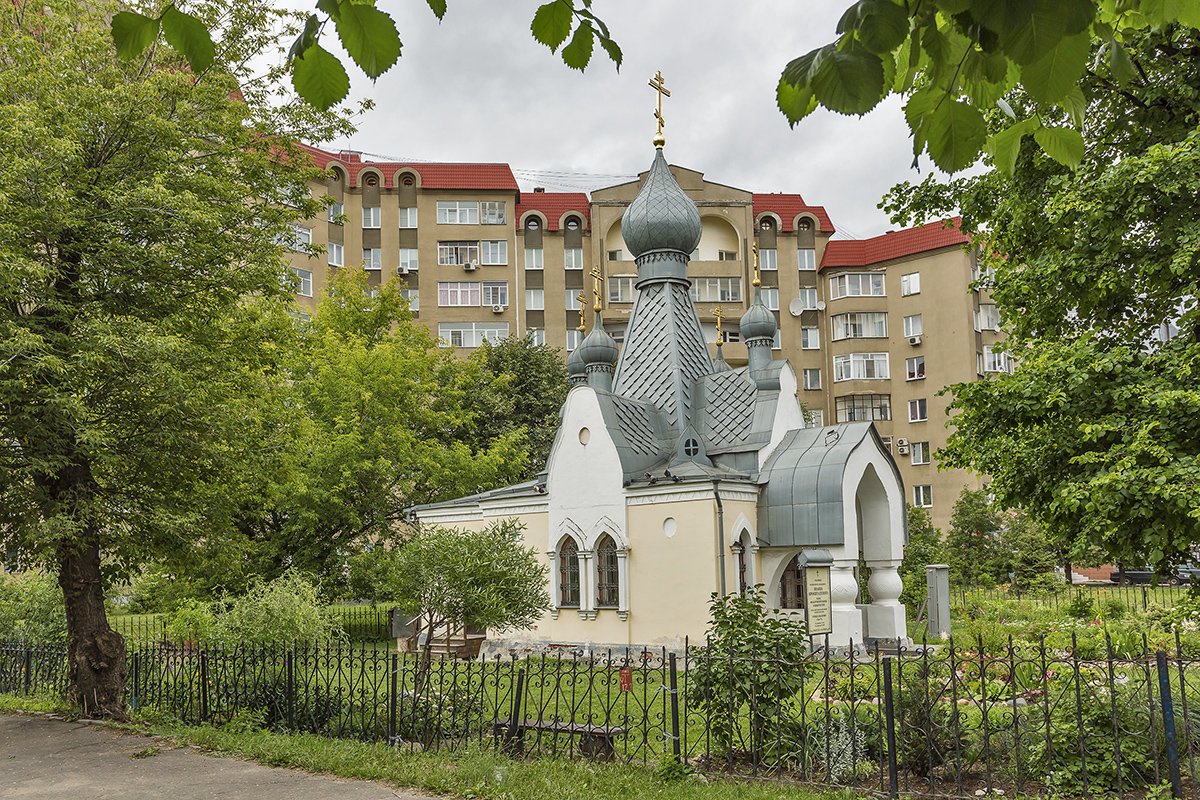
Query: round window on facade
x=691, y=447
x=532, y=224
x=408, y=180
x=805, y=225
x=767, y=224
x=669, y=527
x=573, y=224
x=585, y=436
x=371, y=180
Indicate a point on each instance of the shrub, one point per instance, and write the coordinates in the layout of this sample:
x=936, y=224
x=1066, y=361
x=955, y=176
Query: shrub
x=1114, y=608
x=31, y=607
x=1082, y=606
x=287, y=610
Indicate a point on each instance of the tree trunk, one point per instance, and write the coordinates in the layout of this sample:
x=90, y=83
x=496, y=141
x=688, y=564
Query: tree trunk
x=95, y=652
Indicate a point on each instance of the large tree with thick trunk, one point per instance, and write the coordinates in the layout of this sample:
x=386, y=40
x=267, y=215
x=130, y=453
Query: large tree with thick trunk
x=142, y=296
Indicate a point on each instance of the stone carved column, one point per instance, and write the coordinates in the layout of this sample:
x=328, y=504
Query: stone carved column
x=622, y=582
x=847, y=619
x=886, y=617
x=587, y=584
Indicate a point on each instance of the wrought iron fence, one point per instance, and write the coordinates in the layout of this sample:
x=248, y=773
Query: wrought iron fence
x=360, y=622
x=950, y=720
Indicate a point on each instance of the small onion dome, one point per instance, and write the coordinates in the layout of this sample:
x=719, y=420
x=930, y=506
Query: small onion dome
x=576, y=368
x=598, y=348
x=758, y=322
x=719, y=363
x=661, y=217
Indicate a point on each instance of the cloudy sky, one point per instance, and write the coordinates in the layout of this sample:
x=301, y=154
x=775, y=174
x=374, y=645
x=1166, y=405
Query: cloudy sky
x=477, y=87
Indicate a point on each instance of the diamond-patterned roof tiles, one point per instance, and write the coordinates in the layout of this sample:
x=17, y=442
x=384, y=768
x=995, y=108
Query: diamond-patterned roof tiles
x=662, y=216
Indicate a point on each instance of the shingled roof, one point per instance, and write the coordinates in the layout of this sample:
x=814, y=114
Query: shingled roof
x=863, y=252
x=498, y=177
x=553, y=205
x=788, y=206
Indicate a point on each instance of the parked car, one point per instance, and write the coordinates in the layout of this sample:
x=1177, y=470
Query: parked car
x=1184, y=574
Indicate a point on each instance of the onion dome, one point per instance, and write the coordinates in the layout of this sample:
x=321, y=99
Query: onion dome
x=598, y=348
x=758, y=322
x=661, y=217
x=576, y=368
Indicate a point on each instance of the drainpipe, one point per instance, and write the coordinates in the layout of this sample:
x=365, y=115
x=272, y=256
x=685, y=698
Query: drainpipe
x=720, y=533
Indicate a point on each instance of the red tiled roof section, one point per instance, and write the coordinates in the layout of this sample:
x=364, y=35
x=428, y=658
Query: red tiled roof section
x=554, y=205
x=861, y=252
x=497, y=177
x=787, y=206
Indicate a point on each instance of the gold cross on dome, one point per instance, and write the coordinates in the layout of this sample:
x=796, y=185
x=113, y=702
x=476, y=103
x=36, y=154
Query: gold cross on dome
x=720, y=316
x=754, y=248
x=582, y=307
x=660, y=86
x=595, y=273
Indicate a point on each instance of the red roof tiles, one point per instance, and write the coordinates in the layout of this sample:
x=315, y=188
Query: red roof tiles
x=861, y=252
x=787, y=206
x=553, y=205
x=498, y=177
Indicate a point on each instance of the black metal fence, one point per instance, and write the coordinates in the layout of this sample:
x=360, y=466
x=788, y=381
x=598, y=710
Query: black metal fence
x=1135, y=598
x=362, y=623
x=950, y=720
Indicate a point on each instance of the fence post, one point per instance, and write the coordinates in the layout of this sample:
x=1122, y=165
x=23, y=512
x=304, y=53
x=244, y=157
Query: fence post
x=889, y=712
x=136, y=676
x=1164, y=687
x=674, y=711
x=392, y=700
x=28, y=667
x=203, y=686
x=291, y=688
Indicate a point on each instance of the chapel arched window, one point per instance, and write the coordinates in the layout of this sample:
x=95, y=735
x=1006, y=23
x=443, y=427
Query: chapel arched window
x=608, y=585
x=568, y=573
x=790, y=594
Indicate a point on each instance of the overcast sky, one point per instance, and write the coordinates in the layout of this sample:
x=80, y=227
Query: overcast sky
x=477, y=87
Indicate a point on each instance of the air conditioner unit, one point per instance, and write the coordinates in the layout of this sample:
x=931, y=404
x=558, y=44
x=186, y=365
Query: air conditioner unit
x=902, y=442
x=902, y=449
x=402, y=270
x=470, y=266
x=914, y=340
x=499, y=309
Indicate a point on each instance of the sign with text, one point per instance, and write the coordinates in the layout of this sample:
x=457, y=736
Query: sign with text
x=818, y=603
x=626, y=679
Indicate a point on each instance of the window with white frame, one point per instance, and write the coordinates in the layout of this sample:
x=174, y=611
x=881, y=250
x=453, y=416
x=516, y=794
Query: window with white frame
x=777, y=340
x=336, y=210
x=303, y=281
x=471, y=334
x=918, y=410
x=808, y=299
x=812, y=379
x=372, y=258
x=859, y=325
x=337, y=255
x=910, y=284
x=537, y=337
x=856, y=284
x=920, y=453
x=458, y=253
x=299, y=237
x=491, y=212
x=808, y=259
x=915, y=367
x=453, y=212
x=995, y=360
x=413, y=297
x=573, y=258
x=495, y=293
x=863, y=407
x=573, y=302
x=768, y=259
x=458, y=293
x=913, y=325
x=717, y=290
x=887, y=442
x=533, y=258
x=978, y=362
x=727, y=255
x=408, y=217
x=574, y=337
x=987, y=318
x=371, y=216
x=771, y=299
x=620, y=288
x=730, y=335
x=814, y=417
x=810, y=338
x=493, y=252
x=923, y=496
x=614, y=255
x=408, y=259
x=860, y=367
x=535, y=299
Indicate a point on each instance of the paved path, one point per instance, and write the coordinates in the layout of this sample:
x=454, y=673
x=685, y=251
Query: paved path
x=42, y=758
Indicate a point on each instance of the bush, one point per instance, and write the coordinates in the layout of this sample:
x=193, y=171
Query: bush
x=31, y=607
x=1082, y=605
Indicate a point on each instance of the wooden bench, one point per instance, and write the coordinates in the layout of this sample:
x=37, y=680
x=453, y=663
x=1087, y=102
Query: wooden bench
x=595, y=741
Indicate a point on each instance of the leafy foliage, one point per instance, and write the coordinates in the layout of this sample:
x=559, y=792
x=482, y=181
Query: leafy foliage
x=924, y=547
x=31, y=607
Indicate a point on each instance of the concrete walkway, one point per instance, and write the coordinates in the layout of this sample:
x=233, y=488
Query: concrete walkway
x=42, y=758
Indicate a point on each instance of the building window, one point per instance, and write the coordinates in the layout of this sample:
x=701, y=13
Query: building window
x=614, y=255
x=535, y=299
x=471, y=334
x=413, y=297
x=915, y=367
x=537, y=337
x=910, y=284
x=574, y=337
x=730, y=335
x=717, y=290
x=336, y=212
x=495, y=293
x=573, y=301
x=371, y=216
x=372, y=258
x=408, y=259
x=863, y=407
x=887, y=442
x=978, y=362
x=620, y=289
x=771, y=299
x=812, y=379
x=303, y=282
x=408, y=217
x=860, y=367
x=995, y=360
x=728, y=255
x=856, y=284
x=810, y=338
x=920, y=453
x=913, y=326
x=918, y=410
x=451, y=212
x=791, y=595
x=808, y=299
x=573, y=223
x=573, y=258
x=814, y=418
x=491, y=212
x=987, y=318
x=808, y=260
x=533, y=258
x=532, y=224
x=337, y=255
x=568, y=574
x=608, y=589
x=777, y=340
x=923, y=496
x=297, y=237
x=458, y=253
x=494, y=253
x=458, y=293
x=859, y=325
x=768, y=259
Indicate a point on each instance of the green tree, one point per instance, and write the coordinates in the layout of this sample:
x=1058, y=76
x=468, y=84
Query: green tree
x=131, y=247
x=1024, y=552
x=924, y=547
x=1097, y=433
x=973, y=539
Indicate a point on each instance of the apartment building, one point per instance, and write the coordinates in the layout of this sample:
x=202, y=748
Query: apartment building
x=874, y=327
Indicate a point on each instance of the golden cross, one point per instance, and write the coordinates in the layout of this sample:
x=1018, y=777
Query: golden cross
x=596, y=289
x=754, y=247
x=720, y=316
x=658, y=85
x=582, y=306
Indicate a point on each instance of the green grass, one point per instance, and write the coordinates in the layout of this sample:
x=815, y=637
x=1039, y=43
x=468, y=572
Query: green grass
x=46, y=703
